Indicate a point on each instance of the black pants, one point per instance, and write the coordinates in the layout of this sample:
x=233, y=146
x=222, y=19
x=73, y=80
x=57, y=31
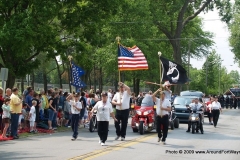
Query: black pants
x=103, y=130
x=75, y=122
x=164, y=121
x=209, y=116
x=227, y=104
x=215, y=116
x=122, y=117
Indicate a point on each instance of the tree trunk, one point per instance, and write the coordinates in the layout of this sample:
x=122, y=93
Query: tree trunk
x=22, y=85
x=59, y=74
x=134, y=86
x=11, y=80
x=94, y=75
x=89, y=80
x=32, y=82
x=137, y=85
x=69, y=79
x=101, y=80
x=45, y=81
x=178, y=59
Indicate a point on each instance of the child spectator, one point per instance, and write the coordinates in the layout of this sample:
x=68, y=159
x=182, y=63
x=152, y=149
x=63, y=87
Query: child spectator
x=6, y=116
x=60, y=117
x=23, y=116
x=32, y=117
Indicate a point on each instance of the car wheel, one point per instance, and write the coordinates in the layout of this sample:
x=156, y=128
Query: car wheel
x=176, y=123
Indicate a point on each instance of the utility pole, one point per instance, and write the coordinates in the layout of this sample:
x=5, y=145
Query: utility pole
x=189, y=44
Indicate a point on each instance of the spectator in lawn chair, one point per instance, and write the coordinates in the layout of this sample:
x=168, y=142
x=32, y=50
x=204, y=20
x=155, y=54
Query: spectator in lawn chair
x=16, y=108
x=37, y=108
x=8, y=93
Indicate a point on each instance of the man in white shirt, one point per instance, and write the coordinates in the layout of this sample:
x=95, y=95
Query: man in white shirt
x=195, y=106
x=104, y=110
x=121, y=99
x=76, y=107
x=216, y=108
x=163, y=109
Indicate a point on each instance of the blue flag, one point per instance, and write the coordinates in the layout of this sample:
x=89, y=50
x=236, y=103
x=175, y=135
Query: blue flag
x=77, y=72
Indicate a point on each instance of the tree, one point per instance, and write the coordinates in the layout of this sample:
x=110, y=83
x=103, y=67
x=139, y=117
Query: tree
x=173, y=17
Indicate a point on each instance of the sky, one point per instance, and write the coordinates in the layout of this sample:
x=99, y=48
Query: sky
x=213, y=24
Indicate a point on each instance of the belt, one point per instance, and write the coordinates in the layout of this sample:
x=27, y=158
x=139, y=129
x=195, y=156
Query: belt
x=215, y=109
x=162, y=115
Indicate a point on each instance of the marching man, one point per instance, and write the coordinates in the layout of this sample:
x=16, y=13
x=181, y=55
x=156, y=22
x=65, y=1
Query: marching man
x=163, y=109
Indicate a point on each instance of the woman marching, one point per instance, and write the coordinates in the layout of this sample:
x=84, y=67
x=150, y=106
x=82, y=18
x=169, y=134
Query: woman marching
x=216, y=108
x=104, y=110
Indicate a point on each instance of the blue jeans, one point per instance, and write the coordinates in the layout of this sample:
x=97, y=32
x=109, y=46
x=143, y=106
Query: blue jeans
x=75, y=122
x=14, y=124
x=50, y=114
x=54, y=121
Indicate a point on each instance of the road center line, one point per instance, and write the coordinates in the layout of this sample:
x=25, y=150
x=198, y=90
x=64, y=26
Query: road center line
x=109, y=149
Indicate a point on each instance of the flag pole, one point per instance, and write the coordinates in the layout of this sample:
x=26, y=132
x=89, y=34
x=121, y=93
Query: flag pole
x=119, y=72
x=70, y=74
x=160, y=68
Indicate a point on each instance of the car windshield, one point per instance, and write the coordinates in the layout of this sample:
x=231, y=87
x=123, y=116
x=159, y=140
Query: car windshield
x=147, y=101
x=197, y=94
x=183, y=101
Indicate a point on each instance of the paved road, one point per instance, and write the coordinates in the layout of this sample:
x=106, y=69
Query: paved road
x=224, y=138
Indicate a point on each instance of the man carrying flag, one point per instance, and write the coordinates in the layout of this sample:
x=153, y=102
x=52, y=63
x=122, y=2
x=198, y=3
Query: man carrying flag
x=128, y=59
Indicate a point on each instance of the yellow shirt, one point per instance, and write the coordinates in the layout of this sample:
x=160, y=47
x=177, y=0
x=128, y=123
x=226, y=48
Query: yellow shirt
x=14, y=100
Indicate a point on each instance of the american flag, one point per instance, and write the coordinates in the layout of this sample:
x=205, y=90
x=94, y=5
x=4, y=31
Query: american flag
x=131, y=59
x=76, y=73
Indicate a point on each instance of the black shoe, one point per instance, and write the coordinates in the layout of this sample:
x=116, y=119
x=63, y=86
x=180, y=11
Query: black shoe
x=197, y=131
x=15, y=137
x=202, y=132
x=188, y=130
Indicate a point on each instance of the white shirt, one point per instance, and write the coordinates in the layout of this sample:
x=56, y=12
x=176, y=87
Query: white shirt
x=78, y=105
x=195, y=106
x=215, y=105
x=124, y=98
x=103, y=110
x=168, y=94
x=165, y=104
x=33, y=114
x=109, y=97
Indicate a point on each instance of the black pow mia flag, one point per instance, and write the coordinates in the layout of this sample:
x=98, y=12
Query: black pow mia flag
x=173, y=72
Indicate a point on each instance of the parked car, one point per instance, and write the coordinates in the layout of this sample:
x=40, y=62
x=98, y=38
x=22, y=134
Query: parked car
x=198, y=94
x=192, y=93
x=181, y=110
